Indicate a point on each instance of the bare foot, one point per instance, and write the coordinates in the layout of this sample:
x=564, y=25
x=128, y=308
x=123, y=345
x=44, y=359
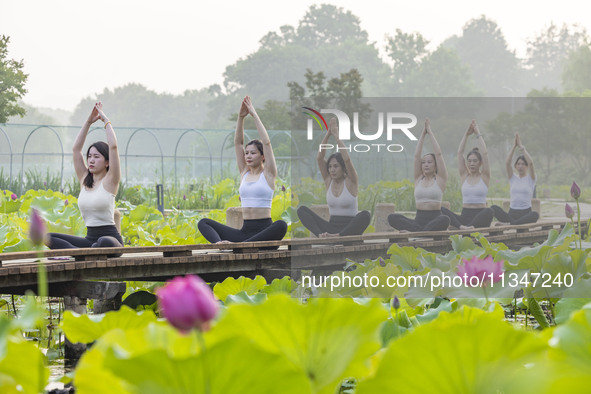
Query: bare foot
x=462, y=227
x=497, y=224
x=223, y=242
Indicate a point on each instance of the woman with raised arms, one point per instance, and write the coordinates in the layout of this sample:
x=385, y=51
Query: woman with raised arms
x=521, y=189
x=258, y=171
x=99, y=182
x=430, y=177
x=475, y=175
x=342, y=185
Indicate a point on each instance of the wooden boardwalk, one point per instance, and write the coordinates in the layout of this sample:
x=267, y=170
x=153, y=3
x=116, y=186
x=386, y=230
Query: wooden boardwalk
x=18, y=271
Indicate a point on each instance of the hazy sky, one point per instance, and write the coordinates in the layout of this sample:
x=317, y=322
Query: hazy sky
x=76, y=48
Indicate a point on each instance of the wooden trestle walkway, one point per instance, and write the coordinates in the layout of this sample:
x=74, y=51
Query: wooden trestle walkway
x=67, y=270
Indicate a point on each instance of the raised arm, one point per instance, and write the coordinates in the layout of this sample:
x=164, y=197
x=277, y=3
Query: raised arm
x=113, y=176
x=441, y=169
x=530, y=161
x=508, y=166
x=239, y=138
x=320, y=159
x=483, y=153
x=461, y=161
x=352, y=178
x=418, y=152
x=77, y=155
x=270, y=165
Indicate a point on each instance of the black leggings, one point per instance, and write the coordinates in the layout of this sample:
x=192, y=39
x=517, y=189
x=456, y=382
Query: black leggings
x=342, y=225
x=515, y=216
x=96, y=237
x=477, y=217
x=432, y=220
x=252, y=230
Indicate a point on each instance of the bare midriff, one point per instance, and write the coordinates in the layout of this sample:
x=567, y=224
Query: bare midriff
x=256, y=213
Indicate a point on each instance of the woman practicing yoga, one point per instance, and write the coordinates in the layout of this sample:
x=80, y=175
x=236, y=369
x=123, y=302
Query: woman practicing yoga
x=258, y=171
x=430, y=178
x=99, y=182
x=342, y=183
x=521, y=190
x=475, y=175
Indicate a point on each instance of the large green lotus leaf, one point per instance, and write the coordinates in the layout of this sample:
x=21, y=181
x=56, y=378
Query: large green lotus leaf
x=556, y=242
x=233, y=366
x=47, y=204
x=571, y=341
x=406, y=257
x=468, y=351
x=235, y=286
x=283, y=285
x=22, y=370
x=86, y=329
x=9, y=206
x=244, y=298
x=280, y=203
x=144, y=213
x=22, y=246
x=328, y=339
x=461, y=244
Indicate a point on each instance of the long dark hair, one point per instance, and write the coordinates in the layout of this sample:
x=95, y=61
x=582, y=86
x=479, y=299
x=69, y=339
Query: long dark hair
x=259, y=146
x=103, y=149
x=521, y=157
x=339, y=158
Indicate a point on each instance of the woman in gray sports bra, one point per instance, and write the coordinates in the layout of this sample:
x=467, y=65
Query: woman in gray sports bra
x=341, y=182
x=430, y=177
x=475, y=175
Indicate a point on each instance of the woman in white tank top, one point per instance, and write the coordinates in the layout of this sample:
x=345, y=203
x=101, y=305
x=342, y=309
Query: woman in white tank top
x=342, y=185
x=475, y=176
x=258, y=171
x=99, y=182
x=430, y=177
x=522, y=187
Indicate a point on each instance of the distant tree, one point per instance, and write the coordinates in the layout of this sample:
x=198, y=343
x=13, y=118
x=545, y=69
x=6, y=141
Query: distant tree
x=406, y=51
x=343, y=92
x=33, y=116
x=548, y=52
x=577, y=70
x=12, y=83
x=133, y=105
x=440, y=74
x=494, y=67
x=327, y=38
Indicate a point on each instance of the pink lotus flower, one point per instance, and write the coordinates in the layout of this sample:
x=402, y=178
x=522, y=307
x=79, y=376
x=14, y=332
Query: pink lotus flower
x=569, y=211
x=184, y=197
x=481, y=269
x=66, y=202
x=282, y=188
x=37, y=229
x=13, y=196
x=187, y=303
x=575, y=191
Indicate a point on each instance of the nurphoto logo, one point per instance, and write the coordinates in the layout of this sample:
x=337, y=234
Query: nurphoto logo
x=395, y=122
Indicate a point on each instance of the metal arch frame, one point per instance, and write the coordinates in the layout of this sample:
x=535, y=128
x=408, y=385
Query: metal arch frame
x=208, y=150
x=159, y=147
x=11, y=154
x=25, y=147
x=222, y=151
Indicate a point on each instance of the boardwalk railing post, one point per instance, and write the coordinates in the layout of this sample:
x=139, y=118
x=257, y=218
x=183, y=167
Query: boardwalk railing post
x=160, y=197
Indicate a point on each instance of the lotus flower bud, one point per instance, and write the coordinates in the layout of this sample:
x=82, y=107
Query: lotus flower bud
x=575, y=191
x=37, y=229
x=187, y=303
x=569, y=211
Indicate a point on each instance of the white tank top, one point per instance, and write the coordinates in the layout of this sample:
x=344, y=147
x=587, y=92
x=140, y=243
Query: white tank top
x=97, y=206
x=521, y=191
x=430, y=193
x=474, y=194
x=343, y=205
x=257, y=194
